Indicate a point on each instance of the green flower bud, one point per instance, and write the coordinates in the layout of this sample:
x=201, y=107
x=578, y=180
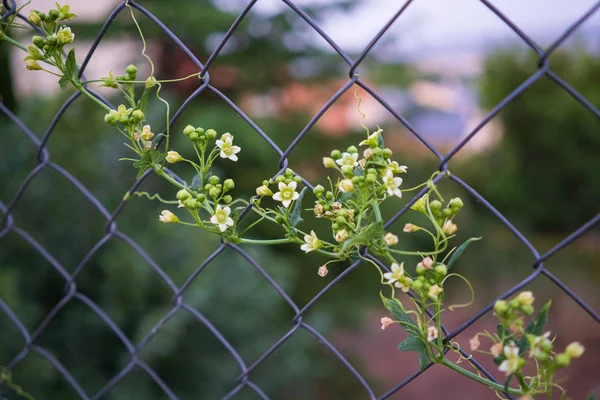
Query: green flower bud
x=377, y=151
x=219, y=186
x=387, y=153
x=440, y=270
x=138, y=115
x=546, y=346
x=227, y=199
x=264, y=191
x=417, y=285
x=456, y=204
x=183, y=195
x=297, y=179
x=32, y=65
x=208, y=186
x=372, y=171
x=371, y=178
x=352, y=149
x=40, y=14
x=329, y=162
x=214, y=192
x=341, y=221
x=200, y=131
x=335, y=226
x=173, y=157
x=527, y=309
x=190, y=203
x=194, y=136
x=501, y=307
x=201, y=197
x=329, y=195
x=53, y=15
x=228, y=184
x=420, y=270
x=288, y=172
x=446, y=212
x=52, y=40
x=188, y=130
x=34, y=18
x=280, y=178
x=131, y=71
x=110, y=119
x=542, y=357
x=435, y=206
x=214, y=179
x=342, y=212
x=335, y=154
x=211, y=134
x=348, y=170
x=38, y=41
x=419, y=206
x=319, y=190
x=356, y=179
x=562, y=360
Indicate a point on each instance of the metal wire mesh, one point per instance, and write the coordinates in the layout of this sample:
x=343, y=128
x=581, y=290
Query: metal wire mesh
x=113, y=233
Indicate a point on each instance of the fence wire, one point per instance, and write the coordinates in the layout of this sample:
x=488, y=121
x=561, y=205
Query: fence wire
x=112, y=232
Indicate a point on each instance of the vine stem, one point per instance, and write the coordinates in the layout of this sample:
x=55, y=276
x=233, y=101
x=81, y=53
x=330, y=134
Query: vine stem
x=265, y=241
x=12, y=41
x=484, y=381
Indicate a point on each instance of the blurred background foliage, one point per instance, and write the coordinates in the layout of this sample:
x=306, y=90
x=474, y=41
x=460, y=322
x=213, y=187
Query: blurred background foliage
x=541, y=173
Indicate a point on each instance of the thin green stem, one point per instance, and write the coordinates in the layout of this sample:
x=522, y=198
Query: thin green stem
x=475, y=377
x=266, y=241
x=13, y=42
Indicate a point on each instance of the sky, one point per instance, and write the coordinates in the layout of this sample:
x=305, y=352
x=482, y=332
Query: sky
x=430, y=25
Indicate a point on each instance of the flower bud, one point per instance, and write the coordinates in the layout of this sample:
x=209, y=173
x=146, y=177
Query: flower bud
x=501, y=307
x=449, y=228
x=352, y=149
x=387, y=153
x=390, y=239
x=419, y=206
x=323, y=271
x=348, y=170
x=409, y=228
x=214, y=192
x=228, y=184
x=211, y=134
x=34, y=18
x=191, y=204
x=346, y=185
x=173, y=157
x=329, y=162
x=187, y=131
x=335, y=154
x=227, y=199
x=440, y=270
x=385, y=322
x=183, y=195
x=456, y=204
x=138, y=115
x=131, y=71
x=319, y=190
x=168, y=217
x=38, y=41
x=110, y=119
x=341, y=236
x=318, y=210
x=371, y=178
x=329, y=195
x=264, y=191
x=574, y=350
x=435, y=206
x=562, y=360
x=32, y=65
x=525, y=298
x=527, y=309
x=65, y=36
x=53, y=15
x=194, y=136
x=201, y=197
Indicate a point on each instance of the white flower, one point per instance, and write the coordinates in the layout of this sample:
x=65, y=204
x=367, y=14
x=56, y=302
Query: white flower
x=348, y=159
x=287, y=193
x=346, y=185
x=341, y=236
x=512, y=362
x=392, y=184
x=432, y=333
x=312, y=242
x=323, y=271
x=397, y=272
x=372, y=139
x=226, y=136
x=180, y=204
x=450, y=228
x=434, y=291
x=221, y=218
x=65, y=36
x=386, y=321
x=525, y=298
x=390, y=239
x=537, y=342
x=167, y=217
x=228, y=150
x=403, y=283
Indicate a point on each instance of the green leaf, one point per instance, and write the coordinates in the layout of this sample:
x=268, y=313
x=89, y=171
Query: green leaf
x=71, y=64
x=63, y=82
x=365, y=236
x=458, y=252
x=295, y=214
x=380, y=141
x=535, y=327
x=196, y=182
x=412, y=342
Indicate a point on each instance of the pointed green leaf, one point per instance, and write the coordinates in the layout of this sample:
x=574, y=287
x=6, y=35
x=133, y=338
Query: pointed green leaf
x=366, y=235
x=71, y=64
x=412, y=343
x=458, y=252
x=535, y=327
x=295, y=214
x=63, y=82
x=380, y=141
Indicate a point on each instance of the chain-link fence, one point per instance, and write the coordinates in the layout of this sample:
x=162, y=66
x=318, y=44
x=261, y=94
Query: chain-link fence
x=112, y=232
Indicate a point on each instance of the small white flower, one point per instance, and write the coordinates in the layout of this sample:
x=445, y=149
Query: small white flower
x=221, y=218
x=346, y=185
x=228, y=150
x=574, y=350
x=403, y=283
x=525, y=298
x=372, y=139
x=167, y=217
x=434, y=291
x=226, y=136
x=65, y=36
x=312, y=242
x=396, y=168
x=180, y=204
x=287, y=193
x=395, y=274
x=512, y=362
x=385, y=322
x=392, y=184
x=432, y=333
x=341, y=236
x=323, y=271
x=390, y=239
x=408, y=228
x=348, y=159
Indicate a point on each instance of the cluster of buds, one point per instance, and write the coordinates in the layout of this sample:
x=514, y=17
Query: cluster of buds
x=128, y=117
x=509, y=312
x=217, y=190
x=189, y=200
x=339, y=213
x=198, y=134
x=113, y=82
x=443, y=215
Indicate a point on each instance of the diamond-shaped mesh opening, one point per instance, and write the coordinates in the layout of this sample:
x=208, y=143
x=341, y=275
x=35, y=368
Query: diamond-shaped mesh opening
x=161, y=322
